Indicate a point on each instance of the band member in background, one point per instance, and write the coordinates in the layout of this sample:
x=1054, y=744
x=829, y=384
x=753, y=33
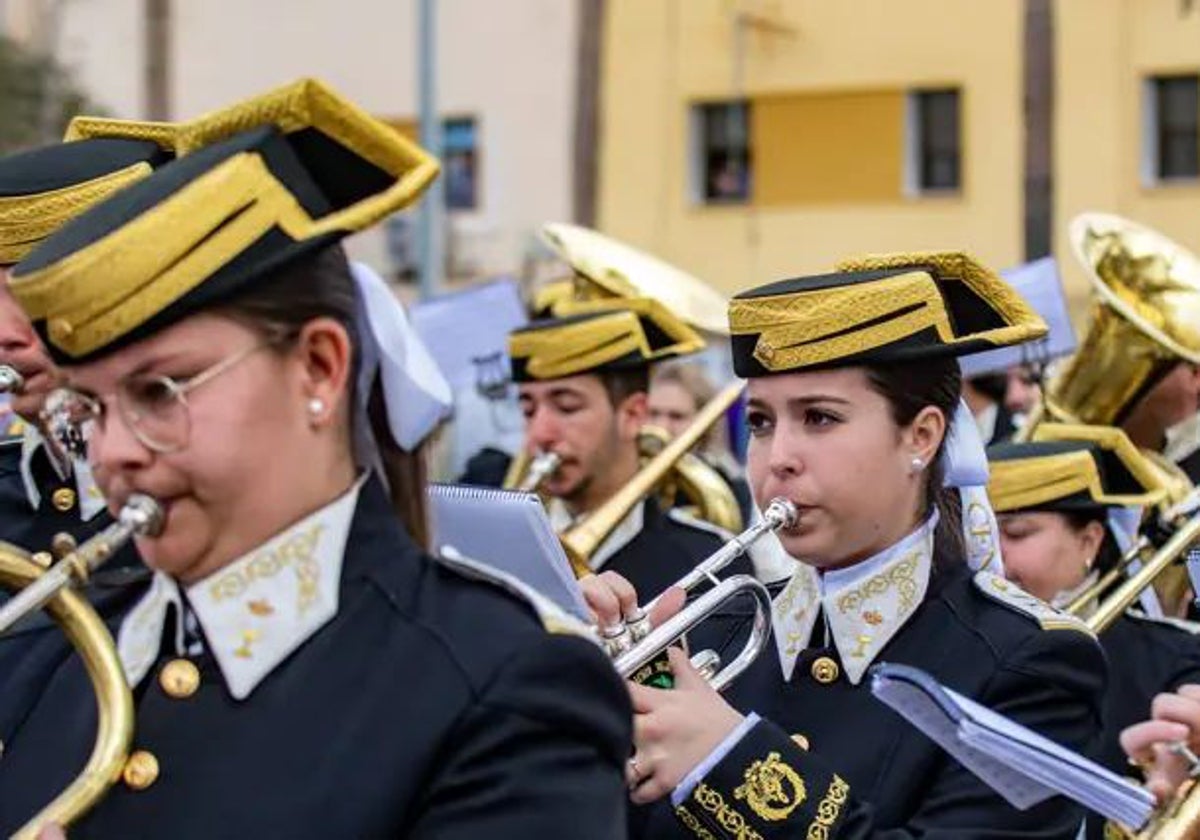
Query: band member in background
x=296, y=658
x=43, y=490
x=1068, y=506
x=984, y=395
x=583, y=381
x=854, y=389
x=678, y=390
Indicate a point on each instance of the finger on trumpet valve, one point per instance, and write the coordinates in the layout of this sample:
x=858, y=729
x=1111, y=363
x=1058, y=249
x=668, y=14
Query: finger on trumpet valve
x=707, y=662
x=638, y=625
x=615, y=639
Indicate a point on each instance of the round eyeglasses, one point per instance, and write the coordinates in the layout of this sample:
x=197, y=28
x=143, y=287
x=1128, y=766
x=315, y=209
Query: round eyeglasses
x=153, y=407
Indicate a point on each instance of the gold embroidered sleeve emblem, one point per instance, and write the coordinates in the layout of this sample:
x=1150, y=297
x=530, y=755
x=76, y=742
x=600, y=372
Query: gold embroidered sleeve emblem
x=772, y=788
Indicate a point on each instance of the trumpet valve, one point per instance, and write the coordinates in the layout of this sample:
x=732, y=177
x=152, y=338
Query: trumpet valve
x=615, y=640
x=708, y=663
x=638, y=625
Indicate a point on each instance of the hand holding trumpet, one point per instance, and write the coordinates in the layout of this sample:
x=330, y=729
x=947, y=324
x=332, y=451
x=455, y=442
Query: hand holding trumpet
x=673, y=730
x=1165, y=746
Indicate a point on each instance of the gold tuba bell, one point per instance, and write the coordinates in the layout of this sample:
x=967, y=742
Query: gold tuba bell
x=1145, y=317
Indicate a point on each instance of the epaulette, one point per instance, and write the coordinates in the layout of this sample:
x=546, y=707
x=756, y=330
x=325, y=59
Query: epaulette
x=684, y=518
x=1170, y=621
x=553, y=617
x=1003, y=591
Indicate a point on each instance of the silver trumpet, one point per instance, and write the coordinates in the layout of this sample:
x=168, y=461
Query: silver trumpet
x=542, y=467
x=11, y=382
x=634, y=644
x=141, y=515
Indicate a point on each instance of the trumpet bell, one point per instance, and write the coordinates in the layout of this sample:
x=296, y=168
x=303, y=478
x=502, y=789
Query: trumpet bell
x=1146, y=314
x=618, y=270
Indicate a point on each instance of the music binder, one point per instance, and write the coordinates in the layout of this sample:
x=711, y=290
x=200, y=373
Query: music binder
x=509, y=530
x=1022, y=766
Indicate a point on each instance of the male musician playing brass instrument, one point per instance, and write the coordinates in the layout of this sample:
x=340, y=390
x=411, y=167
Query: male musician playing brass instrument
x=583, y=380
x=44, y=491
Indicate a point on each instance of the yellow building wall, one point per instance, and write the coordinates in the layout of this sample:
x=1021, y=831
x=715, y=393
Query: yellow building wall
x=662, y=56
x=857, y=155
x=1104, y=51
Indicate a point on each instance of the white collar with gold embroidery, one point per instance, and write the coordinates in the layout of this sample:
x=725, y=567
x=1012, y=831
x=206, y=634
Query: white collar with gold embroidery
x=865, y=604
x=628, y=528
x=91, y=500
x=259, y=608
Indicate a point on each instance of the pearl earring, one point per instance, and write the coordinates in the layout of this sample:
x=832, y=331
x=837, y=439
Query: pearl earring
x=316, y=406
x=916, y=465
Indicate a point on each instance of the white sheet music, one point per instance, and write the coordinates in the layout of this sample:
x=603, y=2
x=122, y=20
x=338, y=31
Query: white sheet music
x=509, y=530
x=1022, y=766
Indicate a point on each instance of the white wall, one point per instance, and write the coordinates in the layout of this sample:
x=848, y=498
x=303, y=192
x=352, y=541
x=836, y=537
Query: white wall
x=511, y=65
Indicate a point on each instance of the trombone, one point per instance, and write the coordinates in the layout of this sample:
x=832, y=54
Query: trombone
x=633, y=644
x=88, y=634
x=581, y=541
x=1183, y=535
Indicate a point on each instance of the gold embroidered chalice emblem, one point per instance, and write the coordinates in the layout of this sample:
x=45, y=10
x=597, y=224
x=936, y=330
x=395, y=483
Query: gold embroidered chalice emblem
x=772, y=788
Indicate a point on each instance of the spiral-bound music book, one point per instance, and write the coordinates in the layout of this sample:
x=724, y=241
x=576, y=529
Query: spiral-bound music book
x=1022, y=766
x=509, y=530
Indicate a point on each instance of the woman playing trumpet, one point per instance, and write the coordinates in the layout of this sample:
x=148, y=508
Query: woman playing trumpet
x=853, y=393
x=301, y=668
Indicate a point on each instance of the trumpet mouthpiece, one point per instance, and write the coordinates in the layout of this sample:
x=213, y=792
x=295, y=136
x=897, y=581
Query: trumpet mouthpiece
x=143, y=514
x=781, y=513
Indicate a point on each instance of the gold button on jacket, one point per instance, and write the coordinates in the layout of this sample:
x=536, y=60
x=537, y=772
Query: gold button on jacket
x=141, y=770
x=825, y=670
x=63, y=499
x=179, y=678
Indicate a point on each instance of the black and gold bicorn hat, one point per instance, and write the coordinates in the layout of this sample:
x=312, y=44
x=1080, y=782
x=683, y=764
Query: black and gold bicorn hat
x=256, y=186
x=42, y=189
x=1071, y=467
x=598, y=336
x=878, y=310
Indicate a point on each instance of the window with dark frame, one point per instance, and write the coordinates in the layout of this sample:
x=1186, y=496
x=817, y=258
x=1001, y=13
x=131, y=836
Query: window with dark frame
x=460, y=163
x=724, y=155
x=939, y=140
x=1177, y=141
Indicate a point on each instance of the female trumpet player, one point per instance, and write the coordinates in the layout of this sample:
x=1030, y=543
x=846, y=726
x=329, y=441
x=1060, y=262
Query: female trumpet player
x=853, y=390
x=300, y=667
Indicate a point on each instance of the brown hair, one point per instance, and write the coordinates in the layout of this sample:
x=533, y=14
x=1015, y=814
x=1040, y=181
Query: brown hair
x=622, y=383
x=692, y=377
x=908, y=388
x=321, y=286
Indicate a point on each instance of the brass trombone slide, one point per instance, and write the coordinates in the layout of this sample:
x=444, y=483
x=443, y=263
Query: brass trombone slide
x=1168, y=523
x=1115, y=605
x=582, y=540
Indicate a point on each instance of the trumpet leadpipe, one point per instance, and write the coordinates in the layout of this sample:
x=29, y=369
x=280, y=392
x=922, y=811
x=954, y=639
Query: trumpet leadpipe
x=140, y=515
x=780, y=513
